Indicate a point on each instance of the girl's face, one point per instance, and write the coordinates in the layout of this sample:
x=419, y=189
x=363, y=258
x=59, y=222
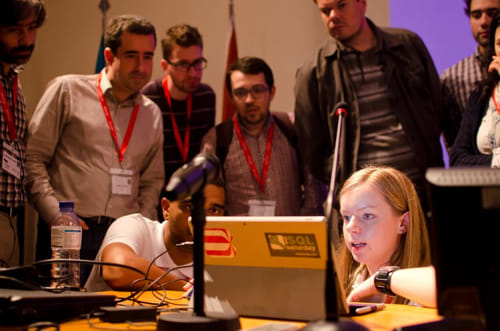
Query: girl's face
x=372, y=228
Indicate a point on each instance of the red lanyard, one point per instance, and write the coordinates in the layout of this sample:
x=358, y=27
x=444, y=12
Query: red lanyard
x=183, y=148
x=495, y=101
x=131, y=123
x=248, y=156
x=6, y=108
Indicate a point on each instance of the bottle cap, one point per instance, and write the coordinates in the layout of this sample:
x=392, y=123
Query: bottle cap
x=66, y=204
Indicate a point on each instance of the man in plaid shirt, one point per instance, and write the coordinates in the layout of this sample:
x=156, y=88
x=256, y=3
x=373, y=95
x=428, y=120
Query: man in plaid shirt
x=19, y=22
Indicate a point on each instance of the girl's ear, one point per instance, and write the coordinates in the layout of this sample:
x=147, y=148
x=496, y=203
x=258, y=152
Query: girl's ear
x=403, y=225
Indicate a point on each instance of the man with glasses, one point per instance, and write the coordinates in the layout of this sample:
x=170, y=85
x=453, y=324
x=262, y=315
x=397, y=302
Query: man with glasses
x=459, y=80
x=187, y=105
x=137, y=241
x=388, y=79
x=261, y=169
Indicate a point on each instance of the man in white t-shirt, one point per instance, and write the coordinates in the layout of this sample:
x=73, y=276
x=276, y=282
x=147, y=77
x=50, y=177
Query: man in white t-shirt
x=135, y=240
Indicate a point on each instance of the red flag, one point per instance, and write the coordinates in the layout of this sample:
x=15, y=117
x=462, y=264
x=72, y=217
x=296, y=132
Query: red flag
x=232, y=55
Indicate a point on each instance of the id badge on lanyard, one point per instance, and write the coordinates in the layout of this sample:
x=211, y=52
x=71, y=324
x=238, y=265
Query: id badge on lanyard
x=121, y=181
x=11, y=160
x=261, y=208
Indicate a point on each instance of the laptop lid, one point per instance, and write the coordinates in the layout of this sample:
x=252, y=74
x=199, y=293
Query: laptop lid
x=268, y=267
x=22, y=307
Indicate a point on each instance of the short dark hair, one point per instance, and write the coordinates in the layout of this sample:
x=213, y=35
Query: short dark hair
x=13, y=11
x=183, y=35
x=467, y=7
x=129, y=23
x=249, y=65
x=217, y=181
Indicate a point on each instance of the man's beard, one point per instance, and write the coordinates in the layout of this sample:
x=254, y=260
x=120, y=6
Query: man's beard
x=10, y=55
x=186, y=89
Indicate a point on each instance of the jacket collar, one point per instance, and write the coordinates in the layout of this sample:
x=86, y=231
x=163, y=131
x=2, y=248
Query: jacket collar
x=332, y=47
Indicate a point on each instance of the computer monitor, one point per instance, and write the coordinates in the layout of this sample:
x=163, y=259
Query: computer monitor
x=464, y=232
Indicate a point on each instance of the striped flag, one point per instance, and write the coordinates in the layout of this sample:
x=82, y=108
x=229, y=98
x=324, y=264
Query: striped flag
x=232, y=55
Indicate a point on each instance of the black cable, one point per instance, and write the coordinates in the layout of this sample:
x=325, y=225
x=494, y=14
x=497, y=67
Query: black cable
x=153, y=261
x=24, y=285
x=149, y=286
x=92, y=262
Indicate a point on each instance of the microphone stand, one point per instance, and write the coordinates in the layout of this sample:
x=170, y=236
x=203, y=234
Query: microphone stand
x=198, y=320
x=331, y=308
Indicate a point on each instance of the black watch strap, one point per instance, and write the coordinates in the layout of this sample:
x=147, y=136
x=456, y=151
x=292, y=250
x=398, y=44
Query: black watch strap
x=383, y=279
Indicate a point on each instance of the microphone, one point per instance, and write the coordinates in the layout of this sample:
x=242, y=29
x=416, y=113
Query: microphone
x=331, y=321
x=191, y=177
x=330, y=291
x=188, y=181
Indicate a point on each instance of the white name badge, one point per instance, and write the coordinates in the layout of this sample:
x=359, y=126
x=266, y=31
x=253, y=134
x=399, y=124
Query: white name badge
x=121, y=181
x=11, y=161
x=261, y=208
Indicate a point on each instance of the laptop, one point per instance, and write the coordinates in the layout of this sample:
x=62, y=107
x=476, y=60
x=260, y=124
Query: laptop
x=268, y=267
x=20, y=307
x=465, y=222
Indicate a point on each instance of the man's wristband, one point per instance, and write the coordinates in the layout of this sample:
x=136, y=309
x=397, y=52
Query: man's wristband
x=382, y=279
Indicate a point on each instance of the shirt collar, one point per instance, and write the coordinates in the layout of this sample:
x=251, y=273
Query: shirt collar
x=14, y=70
x=332, y=45
x=107, y=88
x=477, y=54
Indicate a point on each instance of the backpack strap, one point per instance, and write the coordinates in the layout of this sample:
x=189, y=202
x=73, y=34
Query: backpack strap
x=224, y=135
x=286, y=126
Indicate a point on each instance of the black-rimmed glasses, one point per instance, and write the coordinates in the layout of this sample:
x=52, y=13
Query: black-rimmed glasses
x=257, y=91
x=198, y=64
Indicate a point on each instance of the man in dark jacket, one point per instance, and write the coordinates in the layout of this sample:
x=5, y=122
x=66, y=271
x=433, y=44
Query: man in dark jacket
x=388, y=79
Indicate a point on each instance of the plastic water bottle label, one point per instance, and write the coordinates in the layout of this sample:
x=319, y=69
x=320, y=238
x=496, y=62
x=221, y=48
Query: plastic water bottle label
x=66, y=237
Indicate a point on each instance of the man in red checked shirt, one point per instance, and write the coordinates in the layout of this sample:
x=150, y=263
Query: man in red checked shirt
x=97, y=141
x=19, y=22
x=262, y=171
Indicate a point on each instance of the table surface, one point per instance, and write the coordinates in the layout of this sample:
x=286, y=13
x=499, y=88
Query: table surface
x=391, y=317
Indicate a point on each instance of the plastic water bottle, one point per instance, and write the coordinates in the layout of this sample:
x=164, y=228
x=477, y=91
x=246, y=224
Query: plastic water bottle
x=66, y=241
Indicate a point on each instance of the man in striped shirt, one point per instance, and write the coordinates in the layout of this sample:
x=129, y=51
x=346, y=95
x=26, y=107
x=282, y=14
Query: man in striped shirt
x=187, y=105
x=459, y=80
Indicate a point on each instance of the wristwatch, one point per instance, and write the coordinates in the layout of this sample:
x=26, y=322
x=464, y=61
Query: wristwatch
x=383, y=279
